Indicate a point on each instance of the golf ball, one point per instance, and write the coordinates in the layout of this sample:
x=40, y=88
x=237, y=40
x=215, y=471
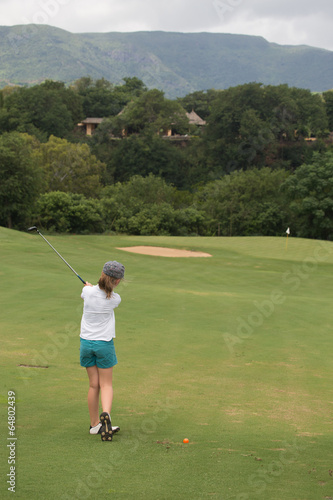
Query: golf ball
x=185, y=440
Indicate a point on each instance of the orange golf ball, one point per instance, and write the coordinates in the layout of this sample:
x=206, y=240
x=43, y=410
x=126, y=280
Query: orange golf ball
x=185, y=441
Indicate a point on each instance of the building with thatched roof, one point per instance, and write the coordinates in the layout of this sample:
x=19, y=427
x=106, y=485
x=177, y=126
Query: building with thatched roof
x=89, y=125
x=193, y=119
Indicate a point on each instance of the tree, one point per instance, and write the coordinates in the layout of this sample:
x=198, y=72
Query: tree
x=68, y=212
x=43, y=110
x=132, y=143
x=148, y=205
x=152, y=112
x=328, y=98
x=139, y=154
x=70, y=167
x=20, y=179
x=255, y=125
x=310, y=193
x=311, y=113
x=98, y=99
x=200, y=101
x=101, y=98
x=245, y=203
x=133, y=87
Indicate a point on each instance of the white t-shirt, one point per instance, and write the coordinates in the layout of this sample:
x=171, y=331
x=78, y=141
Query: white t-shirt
x=98, y=321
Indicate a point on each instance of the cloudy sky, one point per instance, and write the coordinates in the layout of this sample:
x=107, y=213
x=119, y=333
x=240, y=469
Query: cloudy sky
x=292, y=22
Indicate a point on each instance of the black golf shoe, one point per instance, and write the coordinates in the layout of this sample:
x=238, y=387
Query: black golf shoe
x=106, y=429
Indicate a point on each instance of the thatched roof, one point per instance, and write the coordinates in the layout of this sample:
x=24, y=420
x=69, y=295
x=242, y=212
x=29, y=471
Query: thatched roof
x=195, y=119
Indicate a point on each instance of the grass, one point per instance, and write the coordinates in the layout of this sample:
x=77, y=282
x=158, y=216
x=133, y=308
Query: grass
x=233, y=352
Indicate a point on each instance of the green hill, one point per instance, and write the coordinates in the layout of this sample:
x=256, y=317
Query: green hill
x=178, y=63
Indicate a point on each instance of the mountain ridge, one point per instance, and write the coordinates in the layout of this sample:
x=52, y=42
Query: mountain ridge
x=177, y=63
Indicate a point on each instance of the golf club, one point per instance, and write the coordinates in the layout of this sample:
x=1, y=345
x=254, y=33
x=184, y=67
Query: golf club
x=34, y=228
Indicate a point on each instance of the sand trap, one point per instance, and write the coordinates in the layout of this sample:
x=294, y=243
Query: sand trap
x=164, y=252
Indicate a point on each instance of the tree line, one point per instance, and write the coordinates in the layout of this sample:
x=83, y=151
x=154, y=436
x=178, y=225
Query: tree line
x=263, y=162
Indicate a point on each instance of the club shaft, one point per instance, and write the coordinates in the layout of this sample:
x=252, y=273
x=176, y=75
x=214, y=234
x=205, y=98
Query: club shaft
x=70, y=267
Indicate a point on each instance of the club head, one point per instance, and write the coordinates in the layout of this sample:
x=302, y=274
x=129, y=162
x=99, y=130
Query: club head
x=32, y=228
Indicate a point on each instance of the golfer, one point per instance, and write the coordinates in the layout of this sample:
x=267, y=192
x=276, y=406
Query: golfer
x=97, y=352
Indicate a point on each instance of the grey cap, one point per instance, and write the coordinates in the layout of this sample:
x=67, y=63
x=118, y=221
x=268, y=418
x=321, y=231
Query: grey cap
x=114, y=269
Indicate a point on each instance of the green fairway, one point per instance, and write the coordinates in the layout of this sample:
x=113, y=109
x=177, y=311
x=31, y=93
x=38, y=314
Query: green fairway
x=233, y=352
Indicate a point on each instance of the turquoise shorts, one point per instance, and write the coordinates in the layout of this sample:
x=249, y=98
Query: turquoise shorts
x=97, y=353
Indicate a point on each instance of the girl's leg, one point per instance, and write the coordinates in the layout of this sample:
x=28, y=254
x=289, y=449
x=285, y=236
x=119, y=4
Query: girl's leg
x=105, y=383
x=93, y=395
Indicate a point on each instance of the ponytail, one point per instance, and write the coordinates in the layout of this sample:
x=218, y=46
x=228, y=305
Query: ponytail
x=107, y=283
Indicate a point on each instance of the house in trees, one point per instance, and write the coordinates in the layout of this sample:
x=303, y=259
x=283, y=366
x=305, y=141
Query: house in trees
x=193, y=119
x=89, y=125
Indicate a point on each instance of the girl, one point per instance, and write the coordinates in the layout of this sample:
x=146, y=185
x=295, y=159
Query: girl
x=97, y=352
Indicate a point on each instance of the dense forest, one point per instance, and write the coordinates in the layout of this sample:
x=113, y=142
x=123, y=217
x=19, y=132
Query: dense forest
x=259, y=160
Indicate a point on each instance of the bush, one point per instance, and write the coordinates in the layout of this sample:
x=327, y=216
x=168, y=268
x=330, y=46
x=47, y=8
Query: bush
x=67, y=212
x=310, y=194
x=149, y=206
x=245, y=203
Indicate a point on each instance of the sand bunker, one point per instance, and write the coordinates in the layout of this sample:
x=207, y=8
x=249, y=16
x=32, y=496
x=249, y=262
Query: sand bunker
x=164, y=252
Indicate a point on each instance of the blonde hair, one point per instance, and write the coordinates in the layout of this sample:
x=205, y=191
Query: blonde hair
x=107, y=283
